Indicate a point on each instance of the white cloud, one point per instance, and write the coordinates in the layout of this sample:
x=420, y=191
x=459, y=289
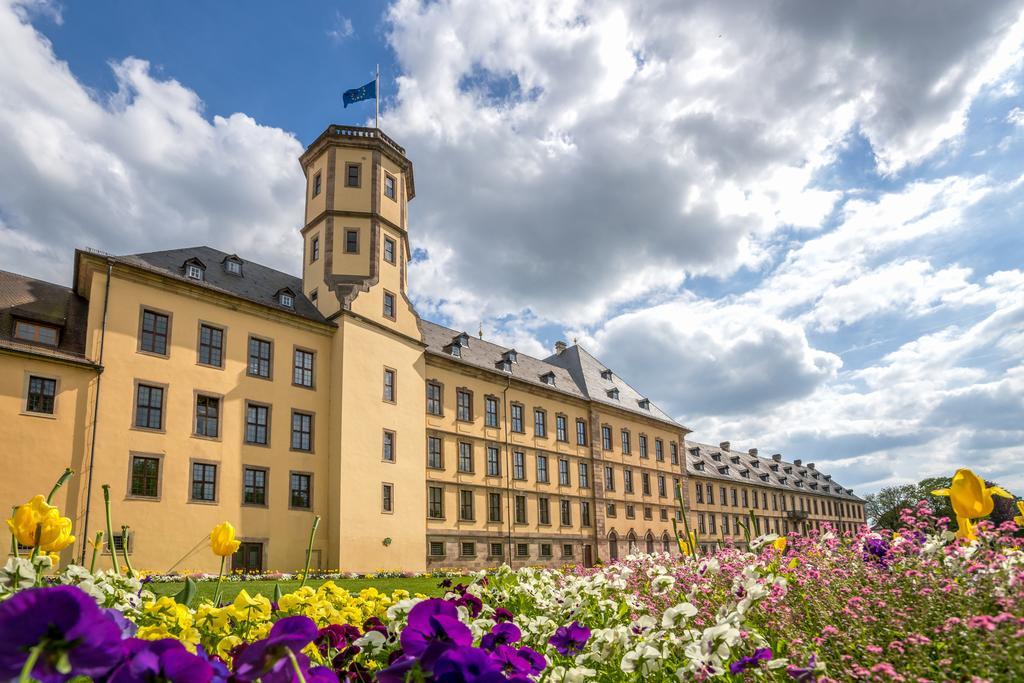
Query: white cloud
x=342, y=28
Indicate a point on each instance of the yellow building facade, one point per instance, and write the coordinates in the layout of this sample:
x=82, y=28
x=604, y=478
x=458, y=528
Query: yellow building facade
x=200, y=387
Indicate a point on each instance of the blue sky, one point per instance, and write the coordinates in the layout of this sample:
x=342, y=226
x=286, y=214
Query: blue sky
x=794, y=226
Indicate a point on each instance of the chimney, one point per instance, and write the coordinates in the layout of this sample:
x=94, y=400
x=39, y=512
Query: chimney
x=810, y=465
x=798, y=462
x=777, y=457
x=753, y=452
x=724, y=446
x=559, y=346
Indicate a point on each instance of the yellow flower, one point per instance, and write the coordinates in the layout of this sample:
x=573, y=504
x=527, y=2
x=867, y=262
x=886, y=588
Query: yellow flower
x=54, y=530
x=965, y=529
x=1020, y=518
x=969, y=495
x=226, y=645
x=222, y=539
x=687, y=545
x=780, y=544
x=248, y=607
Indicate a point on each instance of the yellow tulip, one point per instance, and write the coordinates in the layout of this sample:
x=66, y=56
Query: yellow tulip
x=64, y=537
x=965, y=529
x=222, y=539
x=687, y=545
x=54, y=530
x=780, y=544
x=1020, y=518
x=969, y=496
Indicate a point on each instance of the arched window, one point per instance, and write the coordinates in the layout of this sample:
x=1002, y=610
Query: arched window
x=631, y=542
x=613, y=545
x=650, y=543
x=666, y=545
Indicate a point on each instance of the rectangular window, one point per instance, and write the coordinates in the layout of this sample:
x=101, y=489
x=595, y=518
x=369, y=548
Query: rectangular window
x=662, y=489
x=300, y=490
x=540, y=423
x=493, y=462
x=746, y=502
x=467, y=549
x=627, y=480
x=584, y=513
x=606, y=438
x=630, y=512
x=149, y=407
x=490, y=411
x=254, y=486
x=42, y=392
x=435, y=502
x=542, y=469
x=561, y=429
x=543, y=511
x=317, y=178
x=663, y=514
x=675, y=453
x=659, y=450
x=465, y=457
x=699, y=490
x=314, y=249
x=204, y=481
x=207, y=416
x=34, y=332
x=496, y=550
x=519, y=466
x=648, y=513
x=625, y=442
x=522, y=550
x=517, y=418
x=387, y=498
x=463, y=405
x=567, y=550
x=436, y=549
x=388, y=446
x=609, y=478
x=434, y=460
x=711, y=494
x=643, y=446
x=155, y=328
x=257, y=419
x=389, y=186
x=466, y=505
x=260, y=354
x=721, y=495
x=433, y=398
x=755, y=499
x=145, y=477
x=701, y=526
x=352, y=173
x=520, y=509
x=581, y=432
x=735, y=499
x=351, y=241
x=493, y=507
x=389, y=385
x=565, y=512
x=645, y=483
x=711, y=524
x=389, y=305
x=545, y=550
x=584, y=471
x=677, y=491
x=389, y=250
x=211, y=346
x=302, y=431
x=302, y=370
x=610, y=509
x=563, y=473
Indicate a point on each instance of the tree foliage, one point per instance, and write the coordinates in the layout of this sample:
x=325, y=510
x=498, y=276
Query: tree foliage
x=883, y=508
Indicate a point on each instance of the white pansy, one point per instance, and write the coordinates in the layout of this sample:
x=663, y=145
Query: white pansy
x=371, y=641
x=673, y=616
x=663, y=584
x=644, y=660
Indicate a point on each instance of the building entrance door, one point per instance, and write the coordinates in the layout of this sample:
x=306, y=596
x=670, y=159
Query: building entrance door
x=248, y=558
x=588, y=556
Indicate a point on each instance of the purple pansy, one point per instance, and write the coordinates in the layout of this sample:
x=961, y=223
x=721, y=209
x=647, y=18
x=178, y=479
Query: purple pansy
x=268, y=660
x=501, y=614
x=467, y=665
x=518, y=663
x=876, y=550
x=433, y=627
x=501, y=634
x=803, y=674
x=67, y=623
x=336, y=636
x=570, y=640
x=155, y=660
x=744, y=663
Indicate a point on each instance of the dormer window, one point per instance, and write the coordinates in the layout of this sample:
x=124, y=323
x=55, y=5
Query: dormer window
x=645, y=403
x=510, y=356
x=613, y=393
x=195, y=272
x=504, y=365
x=745, y=474
x=698, y=466
x=606, y=374
x=548, y=378
x=783, y=480
x=724, y=469
x=787, y=469
x=455, y=350
x=774, y=467
x=755, y=463
x=717, y=457
x=233, y=265
x=35, y=332
x=735, y=460
x=694, y=450
x=764, y=477
x=462, y=339
x=287, y=300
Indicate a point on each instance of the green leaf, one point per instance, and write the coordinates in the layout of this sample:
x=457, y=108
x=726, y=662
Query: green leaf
x=277, y=592
x=187, y=595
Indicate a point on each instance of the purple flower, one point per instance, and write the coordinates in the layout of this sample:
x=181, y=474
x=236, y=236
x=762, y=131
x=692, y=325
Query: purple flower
x=518, y=663
x=570, y=640
x=268, y=659
x=467, y=665
x=803, y=675
x=336, y=636
x=167, y=659
x=501, y=614
x=67, y=624
x=375, y=624
x=396, y=672
x=433, y=628
x=472, y=603
x=501, y=634
x=744, y=663
x=128, y=627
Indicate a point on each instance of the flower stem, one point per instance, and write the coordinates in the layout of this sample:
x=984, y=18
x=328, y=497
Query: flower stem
x=30, y=663
x=309, y=550
x=95, y=551
x=124, y=549
x=295, y=663
x=14, y=539
x=220, y=579
x=110, y=533
x=60, y=482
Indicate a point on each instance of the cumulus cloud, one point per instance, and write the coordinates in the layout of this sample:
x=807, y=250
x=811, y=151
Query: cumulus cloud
x=342, y=28
x=144, y=169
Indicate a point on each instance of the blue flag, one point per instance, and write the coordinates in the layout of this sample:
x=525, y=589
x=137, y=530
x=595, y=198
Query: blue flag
x=366, y=92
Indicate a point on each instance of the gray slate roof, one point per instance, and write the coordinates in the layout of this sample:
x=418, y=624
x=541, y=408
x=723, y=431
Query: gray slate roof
x=701, y=461
x=44, y=302
x=258, y=284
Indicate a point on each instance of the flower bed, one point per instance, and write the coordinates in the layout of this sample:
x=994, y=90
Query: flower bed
x=923, y=604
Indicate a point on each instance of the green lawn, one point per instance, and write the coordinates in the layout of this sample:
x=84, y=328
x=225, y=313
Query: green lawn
x=231, y=589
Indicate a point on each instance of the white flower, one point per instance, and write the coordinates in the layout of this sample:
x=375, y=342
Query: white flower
x=18, y=573
x=645, y=659
x=663, y=584
x=371, y=642
x=673, y=616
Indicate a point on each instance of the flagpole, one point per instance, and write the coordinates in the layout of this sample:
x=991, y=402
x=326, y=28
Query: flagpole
x=376, y=101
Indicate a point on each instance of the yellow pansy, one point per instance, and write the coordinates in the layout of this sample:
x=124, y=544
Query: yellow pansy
x=226, y=645
x=1020, y=518
x=222, y=539
x=780, y=544
x=969, y=496
x=249, y=607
